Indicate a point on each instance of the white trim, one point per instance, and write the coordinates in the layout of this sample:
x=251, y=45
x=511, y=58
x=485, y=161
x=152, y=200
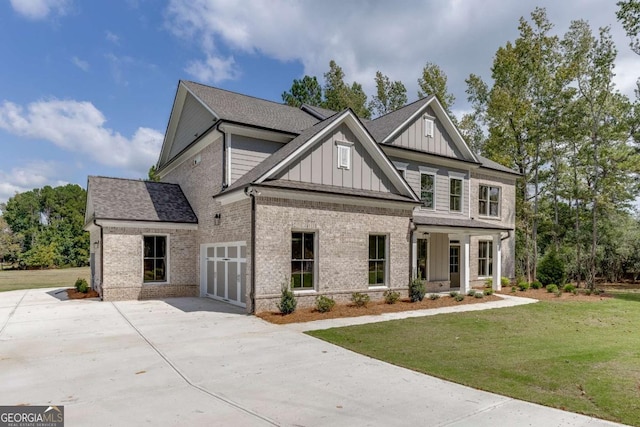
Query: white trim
x=147, y=224
x=428, y=169
x=231, y=197
x=429, y=124
x=414, y=261
x=250, y=132
x=167, y=258
x=316, y=250
x=227, y=151
x=489, y=246
x=387, y=247
x=456, y=174
x=485, y=215
x=402, y=166
x=343, y=153
x=205, y=140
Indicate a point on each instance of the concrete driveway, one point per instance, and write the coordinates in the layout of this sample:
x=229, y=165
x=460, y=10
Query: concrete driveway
x=191, y=361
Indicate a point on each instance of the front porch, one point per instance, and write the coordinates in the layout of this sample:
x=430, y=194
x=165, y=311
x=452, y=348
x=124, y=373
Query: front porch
x=441, y=253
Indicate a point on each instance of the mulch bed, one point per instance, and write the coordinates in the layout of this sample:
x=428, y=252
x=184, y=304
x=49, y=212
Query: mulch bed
x=542, y=294
x=73, y=294
x=374, y=307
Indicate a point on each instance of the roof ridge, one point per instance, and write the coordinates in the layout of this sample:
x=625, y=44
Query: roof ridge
x=425, y=99
x=132, y=179
x=242, y=94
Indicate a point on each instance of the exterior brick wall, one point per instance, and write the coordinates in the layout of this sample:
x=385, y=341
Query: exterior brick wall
x=342, y=242
x=123, y=270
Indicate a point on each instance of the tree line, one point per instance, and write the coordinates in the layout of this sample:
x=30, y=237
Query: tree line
x=553, y=113
x=43, y=228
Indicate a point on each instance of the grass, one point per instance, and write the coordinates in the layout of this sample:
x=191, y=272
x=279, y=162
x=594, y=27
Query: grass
x=580, y=356
x=11, y=280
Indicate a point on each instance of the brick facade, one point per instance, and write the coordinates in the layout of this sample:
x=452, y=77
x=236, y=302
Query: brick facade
x=123, y=264
x=342, y=232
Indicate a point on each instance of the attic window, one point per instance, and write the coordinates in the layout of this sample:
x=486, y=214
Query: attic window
x=344, y=154
x=429, y=125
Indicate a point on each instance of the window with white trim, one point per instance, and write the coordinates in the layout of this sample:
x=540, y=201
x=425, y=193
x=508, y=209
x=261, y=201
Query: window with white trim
x=455, y=194
x=489, y=201
x=485, y=258
x=302, y=260
x=429, y=126
x=377, y=259
x=427, y=190
x=155, y=259
x=344, y=155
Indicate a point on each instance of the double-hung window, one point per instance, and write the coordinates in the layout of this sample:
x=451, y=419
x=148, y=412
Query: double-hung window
x=377, y=259
x=302, y=260
x=489, y=201
x=485, y=258
x=155, y=259
x=455, y=194
x=427, y=190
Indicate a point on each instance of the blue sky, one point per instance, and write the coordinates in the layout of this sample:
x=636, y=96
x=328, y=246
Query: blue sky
x=86, y=88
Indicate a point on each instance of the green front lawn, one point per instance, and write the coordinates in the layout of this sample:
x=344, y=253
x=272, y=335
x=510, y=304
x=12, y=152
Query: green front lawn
x=580, y=356
x=11, y=280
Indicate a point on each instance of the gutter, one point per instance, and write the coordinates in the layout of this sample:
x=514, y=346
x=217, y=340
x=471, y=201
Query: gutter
x=252, y=294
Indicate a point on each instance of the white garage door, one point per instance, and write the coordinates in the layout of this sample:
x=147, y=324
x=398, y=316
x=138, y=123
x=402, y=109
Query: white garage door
x=224, y=271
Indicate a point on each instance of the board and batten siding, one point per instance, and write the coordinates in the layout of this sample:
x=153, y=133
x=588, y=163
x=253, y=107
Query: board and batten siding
x=320, y=166
x=412, y=176
x=194, y=120
x=247, y=153
x=413, y=136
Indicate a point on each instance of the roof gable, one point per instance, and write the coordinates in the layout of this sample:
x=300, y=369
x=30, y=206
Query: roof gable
x=295, y=151
x=407, y=124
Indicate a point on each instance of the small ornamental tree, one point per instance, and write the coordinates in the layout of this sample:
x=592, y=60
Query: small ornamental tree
x=551, y=269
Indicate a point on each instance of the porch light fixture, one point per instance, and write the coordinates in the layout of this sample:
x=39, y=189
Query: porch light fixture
x=95, y=244
x=216, y=219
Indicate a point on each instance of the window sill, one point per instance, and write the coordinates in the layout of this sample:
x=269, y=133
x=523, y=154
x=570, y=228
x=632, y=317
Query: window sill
x=492, y=218
x=456, y=212
x=304, y=291
x=154, y=283
x=375, y=287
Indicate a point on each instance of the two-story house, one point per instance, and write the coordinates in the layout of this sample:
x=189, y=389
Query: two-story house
x=256, y=195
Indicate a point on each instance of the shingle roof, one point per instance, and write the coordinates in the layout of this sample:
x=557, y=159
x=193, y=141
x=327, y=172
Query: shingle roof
x=332, y=189
x=136, y=200
x=383, y=126
x=267, y=164
x=252, y=111
x=490, y=164
x=457, y=222
x=323, y=113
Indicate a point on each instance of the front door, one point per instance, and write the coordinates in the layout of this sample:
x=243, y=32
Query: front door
x=422, y=259
x=454, y=266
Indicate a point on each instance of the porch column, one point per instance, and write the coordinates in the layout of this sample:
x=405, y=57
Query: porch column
x=497, y=262
x=464, y=264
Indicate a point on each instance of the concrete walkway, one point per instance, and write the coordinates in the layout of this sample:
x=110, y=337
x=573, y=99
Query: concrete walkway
x=192, y=361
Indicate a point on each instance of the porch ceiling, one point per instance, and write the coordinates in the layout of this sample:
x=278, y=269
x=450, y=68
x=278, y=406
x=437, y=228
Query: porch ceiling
x=457, y=226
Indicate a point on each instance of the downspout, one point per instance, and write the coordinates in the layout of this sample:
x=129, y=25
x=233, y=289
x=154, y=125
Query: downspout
x=502, y=239
x=101, y=254
x=412, y=229
x=252, y=295
x=225, y=184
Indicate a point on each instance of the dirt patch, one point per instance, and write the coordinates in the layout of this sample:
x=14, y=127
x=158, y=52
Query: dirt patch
x=73, y=294
x=377, y=307
x=542, y=294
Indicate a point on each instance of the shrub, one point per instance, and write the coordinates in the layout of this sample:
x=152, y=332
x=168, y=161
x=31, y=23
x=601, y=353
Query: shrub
x=488, y=283
x=574, y=291
x=552, y=288
x=569, y=287
x=360, y=299
x=523, y=286
x=434, y=297
x=454, y=294
x=597, y=291
x=288, y=303
x=391, y=297
x=471, y=292
x=514, y=289
x=536, y=285
x=459, y=297
x=504, y=281
x=551, y=269
x=587, y=292
x=324, y=304
x=479, y=295
x=488, y=291
x=417, y=290
x=82, y=286
x=558, y=293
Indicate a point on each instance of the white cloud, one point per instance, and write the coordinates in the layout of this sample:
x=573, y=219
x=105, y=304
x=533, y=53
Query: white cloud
x=35, y=174
x=83, y=65
x=40, y=9
x=395, y=38
x=80, y=127
x=213, y=69
x=113, y=38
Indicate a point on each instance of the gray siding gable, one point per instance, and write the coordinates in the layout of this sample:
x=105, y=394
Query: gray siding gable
x=319, y=165
x=194, y=120
x=246, y=153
